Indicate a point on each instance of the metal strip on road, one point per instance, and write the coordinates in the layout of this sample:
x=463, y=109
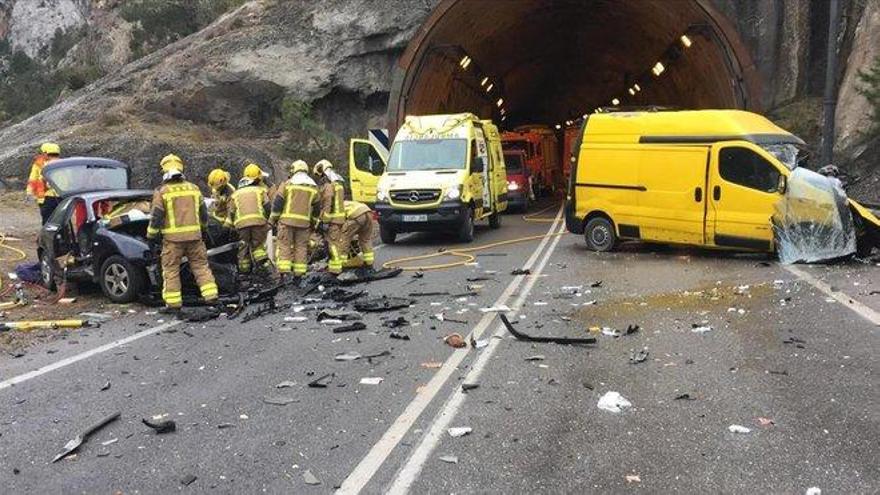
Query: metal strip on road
x=848, y=301
x=409, y=473
x=85, y=355
x=379, y=453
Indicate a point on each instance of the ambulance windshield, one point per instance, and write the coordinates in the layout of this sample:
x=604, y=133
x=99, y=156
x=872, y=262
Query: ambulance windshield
x=428, y=154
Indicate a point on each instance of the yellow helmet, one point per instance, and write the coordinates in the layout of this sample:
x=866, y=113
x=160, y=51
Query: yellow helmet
x=50, y=149
x=299, y=166
x=171, y=162
x=320, y=167
x=217, y=178
x=252, y=172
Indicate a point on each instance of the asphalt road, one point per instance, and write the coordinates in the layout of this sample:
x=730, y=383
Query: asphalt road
x=800, y=356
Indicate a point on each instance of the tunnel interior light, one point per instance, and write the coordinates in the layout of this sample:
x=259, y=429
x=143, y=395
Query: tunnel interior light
x=499, y=102
x=484, y=81
x=503, y=118
x=685, y=41
x=632, y=92
x=558, y=126
x=489, y=87
x=615, y=102
x=658, y=68
x=637, y=87
x=584, y=116
x=465, y=62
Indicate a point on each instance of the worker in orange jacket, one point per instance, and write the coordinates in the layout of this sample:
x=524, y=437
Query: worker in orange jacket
x=37, y=187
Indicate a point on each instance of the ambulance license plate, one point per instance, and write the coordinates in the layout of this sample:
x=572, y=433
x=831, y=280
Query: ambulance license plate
x=415, y=218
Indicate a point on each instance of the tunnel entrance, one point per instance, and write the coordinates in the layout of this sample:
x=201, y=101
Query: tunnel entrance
x=553, y=61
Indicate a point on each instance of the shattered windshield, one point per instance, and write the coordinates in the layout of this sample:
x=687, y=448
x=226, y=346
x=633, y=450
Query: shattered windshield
x=812, y=222
x=428, y=154
x=786, y=153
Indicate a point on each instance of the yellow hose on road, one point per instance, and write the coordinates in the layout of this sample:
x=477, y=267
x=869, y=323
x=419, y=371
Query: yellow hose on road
x=19, y=255
x=534, y=218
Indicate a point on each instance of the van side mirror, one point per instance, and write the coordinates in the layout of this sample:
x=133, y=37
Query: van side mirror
x=782, y=185
x=477, y=164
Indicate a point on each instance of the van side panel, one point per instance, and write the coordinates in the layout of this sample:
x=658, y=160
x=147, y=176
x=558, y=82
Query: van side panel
x=608, y=182
x=672, y=206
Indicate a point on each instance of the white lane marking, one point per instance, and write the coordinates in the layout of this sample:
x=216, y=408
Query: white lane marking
x=848, y=301
x=85, y=355
x=379, y=453
x=409, y=473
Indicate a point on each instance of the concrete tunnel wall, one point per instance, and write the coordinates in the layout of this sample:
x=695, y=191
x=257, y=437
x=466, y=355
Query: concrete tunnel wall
x=554, y=60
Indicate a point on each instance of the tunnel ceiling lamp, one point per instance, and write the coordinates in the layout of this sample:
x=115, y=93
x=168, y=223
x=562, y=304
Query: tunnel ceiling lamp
x=484, y=81
x=615, y=102
x=685, y=41
x=658, y=68
x=465, y=62
x=489, y=88
x=632, y=92
x=558, y=126
x=637, y=87
x=584, y=116
x=499, y=102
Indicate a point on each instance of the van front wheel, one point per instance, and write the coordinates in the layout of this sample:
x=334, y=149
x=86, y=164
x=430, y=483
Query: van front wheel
x=600, y=235
x=466, y=229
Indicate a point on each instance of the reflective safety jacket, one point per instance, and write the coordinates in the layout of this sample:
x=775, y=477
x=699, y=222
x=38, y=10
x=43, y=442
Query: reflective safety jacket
x=332, y=198
x=295, y=204
x=222, y=196
x=354, y=209
x=37, y=187
x=178, y=212
x=249, y=207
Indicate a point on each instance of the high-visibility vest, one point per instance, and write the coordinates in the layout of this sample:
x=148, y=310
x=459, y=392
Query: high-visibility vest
x=221, y=196
x=336, y=214
x=354, y=209
x=248, y=207
x=298, y=202
x=36, y=184
x=182, y=203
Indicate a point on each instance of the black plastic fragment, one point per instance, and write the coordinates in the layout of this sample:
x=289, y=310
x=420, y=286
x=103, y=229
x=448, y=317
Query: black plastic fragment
x=396, y=323
x=521, y=271
x=684, y=397
x=325, y=315
x=383, y=303
x=161, y=427
x=322, y=381
x=554, y=340
x=354, y=327
x=398, y=336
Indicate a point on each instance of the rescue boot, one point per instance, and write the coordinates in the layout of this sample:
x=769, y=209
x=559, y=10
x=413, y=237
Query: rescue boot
x=365, y=271
x=171, y=311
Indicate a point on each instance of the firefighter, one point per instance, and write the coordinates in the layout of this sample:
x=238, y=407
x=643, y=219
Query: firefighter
x=249, y=213
x=37, y=187
x=177, y=219
x=221, y=193
x=293, y=210
x=359, y=226
x=332, y=195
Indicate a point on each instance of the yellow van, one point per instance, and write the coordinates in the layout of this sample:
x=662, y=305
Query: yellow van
x=444, y=173
x=704, y=178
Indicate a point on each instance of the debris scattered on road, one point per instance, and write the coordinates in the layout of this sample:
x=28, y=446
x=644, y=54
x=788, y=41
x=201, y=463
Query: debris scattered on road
x=97, y=316
x=684, y=397
x=432, y=364
x=188, y=479
x=348, y=356
x=813, y=490
x=479, y=344
x=633, y=478
x=223, y=426
x=596, y=284
x=495, y=309
x=326, y=315
x=554, y=340
x=765, y=421
x=322, y=381
x=354, y=327
x=611, y=332
x=700, y=328
x=396, y=323
x=521, y=271
x=74, y=444
x=459, y=431
x=450, y=459
x=778, y=372
x=105, y=386
x=285, y=384
x=638, y=357
x=613, y=402
x=310, y=478
x=161, y=427
x=536, y=357
x=455, y=340
x=294, y=319
x=279, y=401
x=383, y=303
x=343, y=296
x=738, y=429
x=398, y=336
x=373, y=380
x=429, y=294
x=109, y=442
x=465, y=387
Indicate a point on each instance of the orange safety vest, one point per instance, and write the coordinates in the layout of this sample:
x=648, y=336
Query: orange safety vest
x=36, y=185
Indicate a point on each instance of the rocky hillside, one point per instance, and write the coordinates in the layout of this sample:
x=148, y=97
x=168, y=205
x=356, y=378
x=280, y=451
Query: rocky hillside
x=229, y=81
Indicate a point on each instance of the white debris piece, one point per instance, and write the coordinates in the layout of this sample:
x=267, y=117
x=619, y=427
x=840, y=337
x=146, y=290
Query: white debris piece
x=701, y=329
x=495, y=309
x=814, y=490
x=295, y=318
x=738, y=429
x=459, y=431
x=373, y=380
x=613, y=402
x=610, y=332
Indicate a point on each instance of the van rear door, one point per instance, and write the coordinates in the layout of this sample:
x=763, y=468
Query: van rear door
x=743, y=190
x=365, y=166
x=672, y=206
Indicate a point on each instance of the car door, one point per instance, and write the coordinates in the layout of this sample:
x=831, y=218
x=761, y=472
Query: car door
x=744, y=189
x=365, y=167
x=58, y=233
x=482, y=178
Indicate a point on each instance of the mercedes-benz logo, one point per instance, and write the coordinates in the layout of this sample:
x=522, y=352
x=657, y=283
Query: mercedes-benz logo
x=414, y=197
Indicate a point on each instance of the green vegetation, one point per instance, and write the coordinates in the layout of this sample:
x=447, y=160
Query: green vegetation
x=26, y=87
x=870, y=89
x=307, y=139
x=160, y=22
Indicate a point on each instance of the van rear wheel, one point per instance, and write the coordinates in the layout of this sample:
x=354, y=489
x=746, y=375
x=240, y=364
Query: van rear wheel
x=599, y=234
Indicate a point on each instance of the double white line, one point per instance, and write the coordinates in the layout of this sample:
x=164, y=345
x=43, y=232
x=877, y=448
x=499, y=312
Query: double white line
x=409, y=472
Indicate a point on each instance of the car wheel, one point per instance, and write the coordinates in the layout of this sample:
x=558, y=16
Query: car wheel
x=466, y=229
x=47, y=272
x=600, y=235
x=495, y=220
x=387, y=234
x=120, y=281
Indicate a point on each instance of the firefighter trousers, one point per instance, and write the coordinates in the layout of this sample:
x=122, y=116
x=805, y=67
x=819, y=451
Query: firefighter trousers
x=293, y=249
x=252, y=249
x=360, y=229
x=338, y=252
x=172, y=257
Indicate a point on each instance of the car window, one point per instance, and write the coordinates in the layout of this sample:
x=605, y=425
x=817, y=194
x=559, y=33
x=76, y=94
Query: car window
x=59, y=215
x=746, y=168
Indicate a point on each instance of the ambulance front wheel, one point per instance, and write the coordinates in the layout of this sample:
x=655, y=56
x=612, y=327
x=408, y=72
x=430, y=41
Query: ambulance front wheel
x=387, y=234
x=599, y=234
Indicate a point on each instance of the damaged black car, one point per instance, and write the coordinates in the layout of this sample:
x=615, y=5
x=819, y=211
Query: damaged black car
x=98, y=234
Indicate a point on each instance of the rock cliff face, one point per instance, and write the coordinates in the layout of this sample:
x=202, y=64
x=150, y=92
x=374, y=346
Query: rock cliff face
x=275, y=79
